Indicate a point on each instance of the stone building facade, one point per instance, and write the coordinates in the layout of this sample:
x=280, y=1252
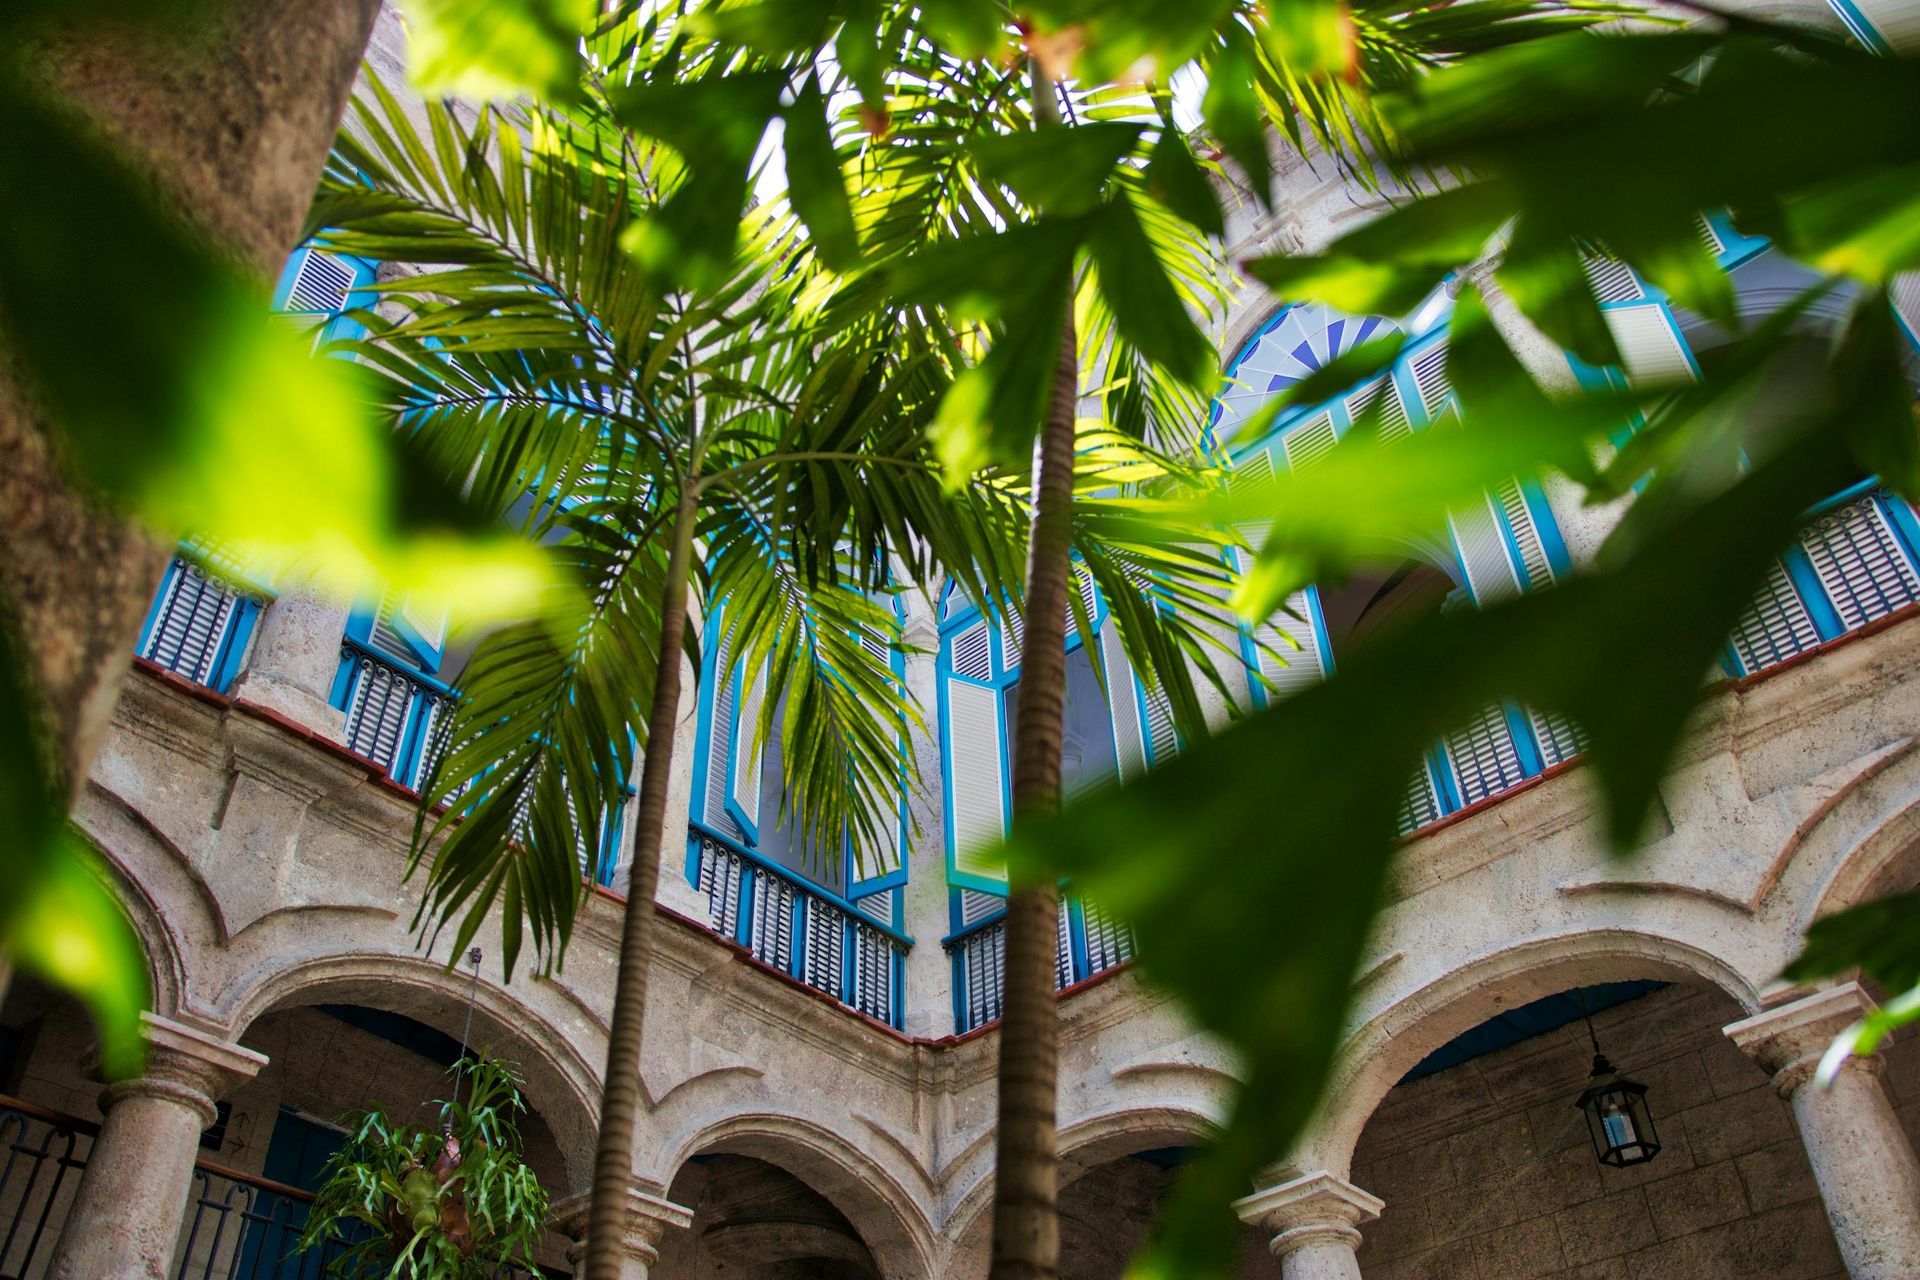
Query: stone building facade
x=812, y=1117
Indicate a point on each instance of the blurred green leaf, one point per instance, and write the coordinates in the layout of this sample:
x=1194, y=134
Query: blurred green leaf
x=967, y=28
x=715, y=122
x=1334, y=760
x=1174, y=178
x=768, y=26
x=1352, y=285
x=1311, y=37
x=1147, y=308
x=814, y=182
x=498, y=49
x=1880, y=938
x=1234, y=116
x=68, y=930
x=1058, y=171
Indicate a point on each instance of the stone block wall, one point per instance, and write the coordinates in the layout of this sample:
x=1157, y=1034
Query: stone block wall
x=1488, y=1173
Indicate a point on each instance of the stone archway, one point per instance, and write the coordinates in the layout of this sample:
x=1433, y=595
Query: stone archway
x=779, y=1194
x=559, y=1085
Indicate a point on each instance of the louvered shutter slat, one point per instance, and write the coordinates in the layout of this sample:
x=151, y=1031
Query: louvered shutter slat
x=1421, y=805
x=1477, y=535
x=1651, y=350
x=1776, y=625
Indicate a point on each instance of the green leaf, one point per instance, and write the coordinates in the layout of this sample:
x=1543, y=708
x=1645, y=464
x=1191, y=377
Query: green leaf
x=1549, y=284
x=1349, y=284
x=772, y=26
x=1149, y=311
x=1881, y=938
x=497, y=50
x=1174, y=179
x=68, y=929
x=966, y=28
x=814, y=184
x=1233, y=113
x=715, y=123
x=1058, y=171
x=1334, y=758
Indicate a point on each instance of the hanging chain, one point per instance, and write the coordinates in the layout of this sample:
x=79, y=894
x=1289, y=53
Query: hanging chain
x=473, y=994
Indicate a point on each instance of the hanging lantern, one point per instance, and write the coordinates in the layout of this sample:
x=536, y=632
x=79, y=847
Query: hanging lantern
x=1617, y=1116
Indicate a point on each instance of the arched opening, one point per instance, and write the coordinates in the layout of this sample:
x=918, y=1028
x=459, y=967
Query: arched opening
x=756, y=1220
x=1488, y=1168
x=1107, y=1210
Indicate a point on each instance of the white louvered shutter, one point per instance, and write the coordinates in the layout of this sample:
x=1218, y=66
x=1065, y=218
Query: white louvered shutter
x=1309, y=442
x=1491, y=574
x=1483, y=756
x=1860, y=564
x=1526, y=532
x=749, y=753
x=1292, y=634
x=320, y=283
x=1775, y=627
x=1062, y=948
x=1895, y=22
x=719, y=744
x=1382, y=397
x=1129, y=735
x=191, y=622
x=1905, y=292
x=1429, y=371
x=1421, y=804
x=1651, y=349
x=1612, y=279
x=1559, y=738
x=975, y=768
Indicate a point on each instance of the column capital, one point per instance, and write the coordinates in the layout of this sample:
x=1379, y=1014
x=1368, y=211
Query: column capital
x=649, y=1218
x=1315, y=1208
x=187, y=1065
x=1790, y=1039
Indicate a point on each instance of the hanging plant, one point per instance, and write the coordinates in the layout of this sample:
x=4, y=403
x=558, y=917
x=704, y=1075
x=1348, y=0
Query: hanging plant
x=449, y=1202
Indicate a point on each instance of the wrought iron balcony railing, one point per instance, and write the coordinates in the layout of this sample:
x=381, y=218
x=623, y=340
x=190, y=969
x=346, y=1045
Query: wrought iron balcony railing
x=1090, y=941
x=801, y=929
x=237, y=1226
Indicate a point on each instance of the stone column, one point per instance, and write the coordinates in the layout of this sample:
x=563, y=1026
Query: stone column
x=1865, y=1166
x=296, y=655
x=125, y=1218
x=649, y=1218
x=1315, y=1220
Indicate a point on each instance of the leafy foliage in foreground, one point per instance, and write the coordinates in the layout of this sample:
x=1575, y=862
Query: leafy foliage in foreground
x=1633, y=140
x=447, y=1201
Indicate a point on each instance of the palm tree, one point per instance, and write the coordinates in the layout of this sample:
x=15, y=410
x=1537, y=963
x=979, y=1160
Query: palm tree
x=674, y=450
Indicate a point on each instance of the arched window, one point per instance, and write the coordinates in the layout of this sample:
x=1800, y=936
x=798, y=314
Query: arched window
x=1859, y=558
x=1494, y=548
x=808, y=911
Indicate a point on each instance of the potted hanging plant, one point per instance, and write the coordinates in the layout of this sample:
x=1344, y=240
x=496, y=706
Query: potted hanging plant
x=451, y=1201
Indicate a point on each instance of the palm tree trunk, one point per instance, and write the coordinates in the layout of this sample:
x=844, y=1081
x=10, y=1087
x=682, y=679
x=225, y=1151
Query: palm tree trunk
x=1026, y=1222
x=620, y=1099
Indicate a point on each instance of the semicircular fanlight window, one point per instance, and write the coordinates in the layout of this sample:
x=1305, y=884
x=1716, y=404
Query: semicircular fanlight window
x=1304, y=340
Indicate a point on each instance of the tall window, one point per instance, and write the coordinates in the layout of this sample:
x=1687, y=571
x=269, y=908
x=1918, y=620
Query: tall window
x=1496, y=547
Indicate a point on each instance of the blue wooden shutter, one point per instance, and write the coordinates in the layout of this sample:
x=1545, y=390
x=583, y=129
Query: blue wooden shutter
x=1885, y=26
x=1861, y=566
x=1287, y=649
x=975, y=758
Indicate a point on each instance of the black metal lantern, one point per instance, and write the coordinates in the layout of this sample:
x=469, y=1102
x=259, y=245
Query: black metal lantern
x=1617, y=1116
